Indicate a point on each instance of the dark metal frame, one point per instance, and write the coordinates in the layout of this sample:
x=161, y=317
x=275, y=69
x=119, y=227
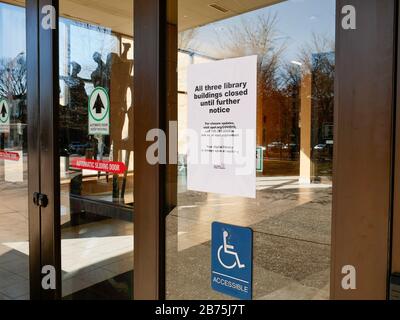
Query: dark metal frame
x=43, y=99
x=32, y=57
x=150, y=113
x=151, y=201
x=49, y=149
x=395, y=226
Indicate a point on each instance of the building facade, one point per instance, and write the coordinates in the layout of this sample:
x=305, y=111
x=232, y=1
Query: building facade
x=82, y=83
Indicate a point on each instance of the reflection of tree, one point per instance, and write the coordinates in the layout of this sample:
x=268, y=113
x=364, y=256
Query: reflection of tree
x=187, y=39
x=319, y=60
x=13, y=87
x=289, y=106
x=255, y=37
x=13, y=77
x=258, y=36
x=279, y=82
x=74, y=116
x=318, y=45
x=323, y=72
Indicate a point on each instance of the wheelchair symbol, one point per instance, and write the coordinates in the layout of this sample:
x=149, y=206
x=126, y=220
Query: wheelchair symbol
x=229, y=249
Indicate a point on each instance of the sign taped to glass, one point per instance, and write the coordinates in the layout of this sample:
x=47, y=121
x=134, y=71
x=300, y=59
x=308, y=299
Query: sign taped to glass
x=99, y=165
x=10, y=156
x=222, y=115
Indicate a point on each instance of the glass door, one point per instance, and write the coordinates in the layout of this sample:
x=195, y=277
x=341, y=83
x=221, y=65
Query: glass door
x=14, y=235
x=96, y=69
x=294, y=42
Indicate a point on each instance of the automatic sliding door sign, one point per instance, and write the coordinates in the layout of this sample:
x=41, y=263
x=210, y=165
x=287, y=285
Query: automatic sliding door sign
x=232, y=260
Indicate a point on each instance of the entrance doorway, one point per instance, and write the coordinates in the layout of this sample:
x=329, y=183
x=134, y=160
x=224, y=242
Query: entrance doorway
x=96, y=110
x=78, y=194
x=291, y=215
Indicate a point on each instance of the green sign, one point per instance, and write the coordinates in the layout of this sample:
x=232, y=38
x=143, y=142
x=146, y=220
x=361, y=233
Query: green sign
x=260, y=159
x=99, y=112
x=4, y=116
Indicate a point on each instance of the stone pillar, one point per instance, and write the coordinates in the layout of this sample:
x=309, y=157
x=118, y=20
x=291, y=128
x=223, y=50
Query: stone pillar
x=305, y=130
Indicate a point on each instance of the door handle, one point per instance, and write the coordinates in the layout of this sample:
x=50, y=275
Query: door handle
x=41, y=200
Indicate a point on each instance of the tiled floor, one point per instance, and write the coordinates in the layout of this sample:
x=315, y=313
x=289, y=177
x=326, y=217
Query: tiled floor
x=95, y=252
x=91, y=253
x=14, y=273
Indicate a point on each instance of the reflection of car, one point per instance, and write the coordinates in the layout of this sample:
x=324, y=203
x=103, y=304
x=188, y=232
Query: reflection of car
x=322, y=152
x=320, y=147
x=291, y=151
x=78, y=148
x=283, y=151
x=274, y=150
x=64, y=152
x=290, y=147
x=275, y=146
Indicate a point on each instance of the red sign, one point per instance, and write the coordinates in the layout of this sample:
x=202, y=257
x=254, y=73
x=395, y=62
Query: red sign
x=99, y=165
x=11, y=156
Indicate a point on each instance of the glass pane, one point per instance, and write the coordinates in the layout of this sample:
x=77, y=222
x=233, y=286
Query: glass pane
x=96, y=148
x=291, y=215
x=14, y=237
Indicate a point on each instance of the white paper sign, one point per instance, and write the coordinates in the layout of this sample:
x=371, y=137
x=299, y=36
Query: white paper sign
x=222, y=127
x=14, y=167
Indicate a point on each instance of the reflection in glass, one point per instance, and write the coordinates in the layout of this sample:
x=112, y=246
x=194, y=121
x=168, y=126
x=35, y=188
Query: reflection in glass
x=291, y=216
x=14, y=238
x=96, y=202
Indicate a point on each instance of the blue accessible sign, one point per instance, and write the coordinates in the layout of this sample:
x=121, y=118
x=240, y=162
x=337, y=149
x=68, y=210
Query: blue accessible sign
x=232, y=260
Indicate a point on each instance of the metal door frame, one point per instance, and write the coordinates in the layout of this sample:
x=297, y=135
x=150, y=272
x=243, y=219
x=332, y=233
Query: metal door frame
x=43, y=100
x=155, y=105
x=44, y=176
x=395, y=223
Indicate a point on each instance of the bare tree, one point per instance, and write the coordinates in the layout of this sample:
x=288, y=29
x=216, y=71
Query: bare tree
x=13, y=77
x=259, y=36
x=318, y=58
x=187, y=39
x=319, y=45
x=256, y=36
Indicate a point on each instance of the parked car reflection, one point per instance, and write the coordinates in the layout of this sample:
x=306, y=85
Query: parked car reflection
x=322, y=152
x=283, y=151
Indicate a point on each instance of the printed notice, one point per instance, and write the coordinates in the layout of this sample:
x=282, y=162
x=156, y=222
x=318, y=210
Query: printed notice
x=222, y=127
